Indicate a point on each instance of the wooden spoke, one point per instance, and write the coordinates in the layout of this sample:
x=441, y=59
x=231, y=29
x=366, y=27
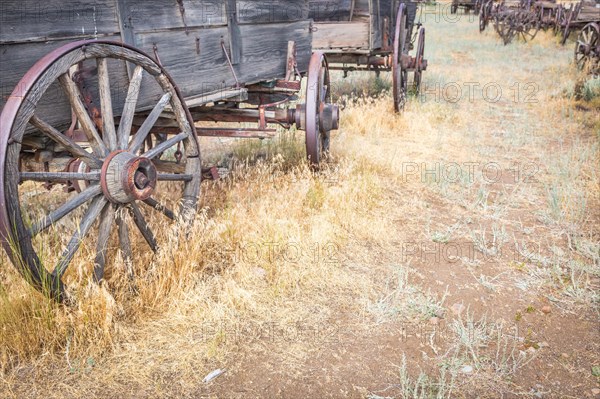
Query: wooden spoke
x=59, y=176
x=74, y=148
x=125, y=244
x=174, y=177
x=106, y=222
x=84, y=118
x=129, y=108
x=108, y=122
x=87, y=221
x=159, y=207
x=162, y=147
x=140, y=222
x=65, y=209
x=142, y=133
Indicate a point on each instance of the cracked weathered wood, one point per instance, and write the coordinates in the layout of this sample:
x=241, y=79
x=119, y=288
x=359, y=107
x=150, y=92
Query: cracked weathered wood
x=142, y=133
x=129, y=108
x=108, y=121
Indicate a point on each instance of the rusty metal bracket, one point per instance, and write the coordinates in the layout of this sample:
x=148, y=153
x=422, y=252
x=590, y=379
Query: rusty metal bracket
x=182, y=12
x=237, y=83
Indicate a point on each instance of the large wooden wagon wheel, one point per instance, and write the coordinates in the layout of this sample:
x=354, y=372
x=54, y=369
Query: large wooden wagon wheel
x=419, y=58
x=587, y=48
x=320, y=115
x=44, y=229
x=399, y=73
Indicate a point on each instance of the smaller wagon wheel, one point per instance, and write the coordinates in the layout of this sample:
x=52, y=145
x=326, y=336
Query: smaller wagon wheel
x=399, y=74
x=42, y=225
x=505, y=26
x=587, y=48
x=527, y=26
x=419, y=65
x=320, y=115
x=484, y=15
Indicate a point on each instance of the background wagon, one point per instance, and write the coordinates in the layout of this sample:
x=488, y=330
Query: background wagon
x=577, y=16
x=371, y=35
x=466, y=5
x=111, y=121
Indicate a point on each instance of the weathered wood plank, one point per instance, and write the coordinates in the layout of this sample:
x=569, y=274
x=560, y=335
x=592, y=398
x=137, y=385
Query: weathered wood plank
x=33, y=20
x=266, y=12
x=152, y=15
x=341, y=35
x=327, y=10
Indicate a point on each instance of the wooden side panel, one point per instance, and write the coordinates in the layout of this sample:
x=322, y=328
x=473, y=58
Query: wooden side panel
x=265, y=12
x=198, y=65
x=264, y=49
x=327, y=10
x=330, y=35
x=152, y=15
x=376, y=25
x=33, y=20
x=195, y=59
x=385, y=9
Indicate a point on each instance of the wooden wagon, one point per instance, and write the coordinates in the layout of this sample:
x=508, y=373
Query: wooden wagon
x=102, y=105
x=465, y=5
x=512, y=18
x=371, y=35
x=577, y=16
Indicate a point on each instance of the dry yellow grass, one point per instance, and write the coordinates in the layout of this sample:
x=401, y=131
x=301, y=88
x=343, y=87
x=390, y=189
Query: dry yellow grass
x=298, y=284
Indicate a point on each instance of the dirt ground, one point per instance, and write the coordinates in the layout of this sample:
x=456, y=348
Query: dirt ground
x=452, y=251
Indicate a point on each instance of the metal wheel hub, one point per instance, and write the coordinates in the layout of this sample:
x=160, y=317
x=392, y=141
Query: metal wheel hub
x=329, y=116
x=126, y=177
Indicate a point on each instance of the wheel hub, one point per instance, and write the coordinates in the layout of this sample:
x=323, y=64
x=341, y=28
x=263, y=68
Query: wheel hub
x=125, y=177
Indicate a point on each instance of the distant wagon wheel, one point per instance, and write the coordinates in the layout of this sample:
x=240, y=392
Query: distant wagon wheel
x=482, y=18
x=587, y=48
x=504, y=27
x=527, y=26
x=399, y=74
x=419, y=64
x=320, y=115
x=43, y=229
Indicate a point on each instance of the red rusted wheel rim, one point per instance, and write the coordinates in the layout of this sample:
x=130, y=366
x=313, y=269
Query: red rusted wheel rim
x=399, y=74
x=318, y=95
x=420, y=59
x=104, y=65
